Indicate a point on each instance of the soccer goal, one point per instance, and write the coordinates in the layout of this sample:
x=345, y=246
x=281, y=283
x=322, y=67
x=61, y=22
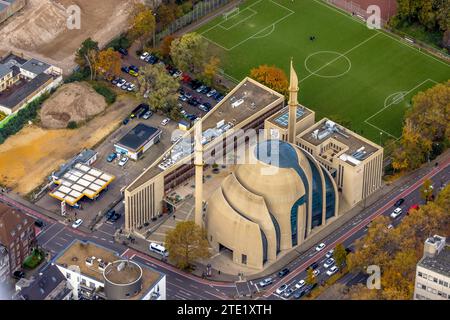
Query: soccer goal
x=231, y=13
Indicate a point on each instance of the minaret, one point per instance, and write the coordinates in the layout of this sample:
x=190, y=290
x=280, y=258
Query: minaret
x=293, y=104
x=198, y=162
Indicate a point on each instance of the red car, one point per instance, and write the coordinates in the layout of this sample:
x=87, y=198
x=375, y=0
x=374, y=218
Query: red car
x=186, y=78
x=413, y=207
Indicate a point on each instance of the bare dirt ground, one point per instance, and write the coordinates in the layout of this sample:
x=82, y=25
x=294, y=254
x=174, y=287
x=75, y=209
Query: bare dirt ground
x=40, y=29
x=72, y=102
x=27, y=158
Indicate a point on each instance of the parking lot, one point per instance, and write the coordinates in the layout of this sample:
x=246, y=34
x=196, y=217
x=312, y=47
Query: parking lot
x=123, y=175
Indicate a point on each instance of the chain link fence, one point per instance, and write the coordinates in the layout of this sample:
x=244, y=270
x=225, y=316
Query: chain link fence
x=200, y=10
x=356, y=10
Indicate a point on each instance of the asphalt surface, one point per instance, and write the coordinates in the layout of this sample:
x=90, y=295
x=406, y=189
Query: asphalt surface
x=55, y=236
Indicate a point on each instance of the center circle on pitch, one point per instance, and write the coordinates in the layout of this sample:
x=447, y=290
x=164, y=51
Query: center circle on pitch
x=328, y=64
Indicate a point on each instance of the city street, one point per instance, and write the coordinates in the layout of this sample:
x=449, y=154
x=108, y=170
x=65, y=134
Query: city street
x=180, y=285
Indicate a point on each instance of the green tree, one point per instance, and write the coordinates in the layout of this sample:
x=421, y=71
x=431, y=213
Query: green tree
x=186, y=243
x=189, y=53
x=161, y=88
x=86, y=55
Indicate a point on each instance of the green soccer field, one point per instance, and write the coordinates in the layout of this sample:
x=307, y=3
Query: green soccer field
x=362, y=75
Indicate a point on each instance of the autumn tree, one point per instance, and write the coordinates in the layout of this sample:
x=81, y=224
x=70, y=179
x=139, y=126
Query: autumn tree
x=142, y=22
x=189, y=53
x=186, y=243
x=396, y=251
x=272, y=77
x=426, y=191
x=160, y=87
x=340, y=255
x=310, y=277
x=86, y=56
x=427, y=125
x=165, y=45
x=210, y=70
x=108, y=62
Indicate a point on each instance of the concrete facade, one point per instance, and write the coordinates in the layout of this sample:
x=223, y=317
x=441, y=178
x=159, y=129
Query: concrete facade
x=433, y=271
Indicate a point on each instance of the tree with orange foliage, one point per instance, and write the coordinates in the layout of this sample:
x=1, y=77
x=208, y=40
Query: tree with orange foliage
x=271, y=76
x=108, y=62
x=164, y=47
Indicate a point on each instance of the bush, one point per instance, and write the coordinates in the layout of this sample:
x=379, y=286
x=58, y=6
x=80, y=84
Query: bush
x=72, y=125
x=81, y=75
x=120, y=42
x=110, y=96
x=28, y=113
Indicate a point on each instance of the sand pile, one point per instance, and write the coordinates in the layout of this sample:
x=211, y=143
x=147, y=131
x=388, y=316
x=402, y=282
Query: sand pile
x=72, y=102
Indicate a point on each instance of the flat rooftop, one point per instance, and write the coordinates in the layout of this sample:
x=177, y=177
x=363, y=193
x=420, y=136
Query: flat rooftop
x=35, y=66
x=12, y=97
x=281, y=118
x=81, y=181
x=78, y=252
x=439, y=263
x=246, y=99
x=138, y=137
x=323, y=131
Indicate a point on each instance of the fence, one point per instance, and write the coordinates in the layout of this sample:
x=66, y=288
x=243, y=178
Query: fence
x=200, y=10
x=356, y=10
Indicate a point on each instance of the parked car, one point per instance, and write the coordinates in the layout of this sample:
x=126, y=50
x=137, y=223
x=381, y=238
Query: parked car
x=125, y=121
x=110, y=214
x=112, y=156
x=115, y=81
x=165, y=121
x=201, y=88
x=77, y=223
x=131, y=87
x=144, y=55
x=316, y=272
x=320, y=247
x=133, y=73
x=328, y=263
x=19, y=274
x=123, y=51
x=314, y=265
x=182, y=97
x=121, y=82
x=211, y=93
x=147, y=115
x=397, y=212
x=300, y=284
x=39, y=223
x=125, y=69
x=205, y=90
x=413, y=207
x=115, y=217
x=332, y=270
x=283, y=272
x=288, y=292
x=281, y=289
x=123, y=161
x=399, y=202
x=177, y=74
x=266, y=282
x=329, y=253
x=134, y=68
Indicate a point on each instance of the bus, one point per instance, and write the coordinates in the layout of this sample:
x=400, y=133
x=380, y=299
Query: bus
x=154, y=247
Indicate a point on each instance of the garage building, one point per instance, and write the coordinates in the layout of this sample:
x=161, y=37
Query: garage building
x=138, y=141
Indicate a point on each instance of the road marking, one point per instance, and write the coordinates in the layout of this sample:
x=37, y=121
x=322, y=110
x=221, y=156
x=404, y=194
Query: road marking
x=54, y=236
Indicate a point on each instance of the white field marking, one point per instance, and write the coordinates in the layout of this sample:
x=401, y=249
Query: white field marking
x=406, y=93
x=219, y=23
x=329, y=77
x=393, y=102
x=291, y=12
x=396, y=97
x=240, y=21
x=267, y=34
x=340, y=56
x=385, y=33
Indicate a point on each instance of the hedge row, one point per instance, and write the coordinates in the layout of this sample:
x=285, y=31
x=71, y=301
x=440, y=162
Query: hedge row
x=110, y=96
x=22, y=117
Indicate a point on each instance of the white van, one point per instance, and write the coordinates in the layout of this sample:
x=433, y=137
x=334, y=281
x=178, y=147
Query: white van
x=158, y=249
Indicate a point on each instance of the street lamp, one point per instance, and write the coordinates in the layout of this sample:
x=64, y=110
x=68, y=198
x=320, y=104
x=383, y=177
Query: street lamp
x=381, y=134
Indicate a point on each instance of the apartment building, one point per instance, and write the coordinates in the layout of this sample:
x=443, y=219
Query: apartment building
x=433, y=271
